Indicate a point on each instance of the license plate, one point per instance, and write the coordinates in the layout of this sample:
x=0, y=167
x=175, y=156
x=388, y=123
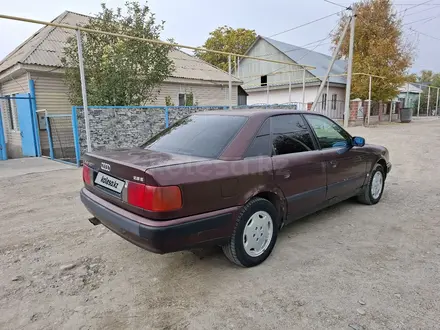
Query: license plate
x=109, y=182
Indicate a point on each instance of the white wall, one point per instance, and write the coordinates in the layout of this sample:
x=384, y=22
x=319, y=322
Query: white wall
x=279, y=96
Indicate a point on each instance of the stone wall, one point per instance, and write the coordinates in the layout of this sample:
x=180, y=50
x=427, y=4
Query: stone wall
x=126, y=127
x=113, y=128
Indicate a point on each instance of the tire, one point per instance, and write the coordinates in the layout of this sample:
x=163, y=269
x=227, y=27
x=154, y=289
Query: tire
x=369, y=195
x=256, y=225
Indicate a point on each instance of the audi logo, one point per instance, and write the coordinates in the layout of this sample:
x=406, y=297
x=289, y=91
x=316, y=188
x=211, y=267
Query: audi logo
x=105, y=167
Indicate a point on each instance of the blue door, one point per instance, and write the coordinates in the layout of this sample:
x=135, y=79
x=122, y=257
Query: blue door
x=26, y=122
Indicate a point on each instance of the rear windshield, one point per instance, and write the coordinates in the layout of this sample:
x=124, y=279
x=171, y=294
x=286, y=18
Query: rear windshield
x=197, y=135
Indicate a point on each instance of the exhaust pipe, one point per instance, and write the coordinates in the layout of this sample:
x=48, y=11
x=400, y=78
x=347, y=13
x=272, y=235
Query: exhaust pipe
x=94, y=221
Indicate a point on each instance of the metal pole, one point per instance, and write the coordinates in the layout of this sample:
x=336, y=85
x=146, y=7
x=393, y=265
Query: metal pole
x=290, y=90
x=326, y=97
x=335, y=54
x=83, y=89
x=407, y=96
x=304, y=90
x=436, y=104
x=369, y=103
x=230, y=82
x=238, y=67
x=267, y=93
x=418, y=106
x=350, y=68
x=429, y=97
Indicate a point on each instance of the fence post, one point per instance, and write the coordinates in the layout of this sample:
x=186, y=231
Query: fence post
x=166, y=117
x=76, y=136
x=49, y=136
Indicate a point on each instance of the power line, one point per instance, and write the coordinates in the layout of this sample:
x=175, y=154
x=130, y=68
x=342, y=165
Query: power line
x=337, y=4
x=414, y=6
x=426, y=19
x=305, y=24
x=424, y=34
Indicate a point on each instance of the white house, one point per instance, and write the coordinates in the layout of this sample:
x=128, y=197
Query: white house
x=268, y=83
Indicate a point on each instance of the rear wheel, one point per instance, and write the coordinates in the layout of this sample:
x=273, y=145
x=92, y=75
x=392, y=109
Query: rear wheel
x=372, y=193
x=254, y=235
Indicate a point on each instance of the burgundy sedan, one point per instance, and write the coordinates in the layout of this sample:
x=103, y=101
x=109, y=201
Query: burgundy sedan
x=230, y=178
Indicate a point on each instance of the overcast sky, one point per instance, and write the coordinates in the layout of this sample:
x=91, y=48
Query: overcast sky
x=190, y=21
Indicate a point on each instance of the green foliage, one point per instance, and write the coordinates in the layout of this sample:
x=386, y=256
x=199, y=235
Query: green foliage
x=226, y=39
x=119, y=71
x=189, y=99
x=379, y=49
x=168, y=101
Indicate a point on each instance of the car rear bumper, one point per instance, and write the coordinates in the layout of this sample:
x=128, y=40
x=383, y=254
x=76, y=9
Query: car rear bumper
x=162, y=236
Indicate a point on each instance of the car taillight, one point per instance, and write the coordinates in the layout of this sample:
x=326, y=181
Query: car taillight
x=87, y=174
x=156, y=199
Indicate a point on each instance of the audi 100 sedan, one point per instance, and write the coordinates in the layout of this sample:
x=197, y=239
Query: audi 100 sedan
x=230, y=178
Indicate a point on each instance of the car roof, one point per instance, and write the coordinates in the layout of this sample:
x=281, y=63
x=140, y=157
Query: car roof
x=255, y=112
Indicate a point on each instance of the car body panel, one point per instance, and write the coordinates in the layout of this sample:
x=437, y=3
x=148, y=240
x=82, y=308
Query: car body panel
x=298, y=183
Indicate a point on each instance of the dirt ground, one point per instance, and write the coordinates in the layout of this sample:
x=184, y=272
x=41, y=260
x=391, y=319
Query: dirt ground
x=348, y=267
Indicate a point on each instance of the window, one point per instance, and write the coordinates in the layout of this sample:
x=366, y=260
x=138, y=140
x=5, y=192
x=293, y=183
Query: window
x=329, y=134
x=263, y=80
x=197, y=135
x=181, y=100
x=260, y=146
x=290, y=135
x=324, y=101
x=334, y=100
x=186, y=99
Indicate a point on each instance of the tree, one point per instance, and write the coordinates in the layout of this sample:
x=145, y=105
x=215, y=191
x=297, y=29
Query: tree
x=226, y=39
x=379, y=49
x=119, y=71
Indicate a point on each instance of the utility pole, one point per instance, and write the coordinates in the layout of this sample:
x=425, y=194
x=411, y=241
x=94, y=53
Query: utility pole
x=350, y=67
x=335, y=54
x=369, y=102
x=230, y=82
x=83, y=89
x=418, y=105
x=429, y=98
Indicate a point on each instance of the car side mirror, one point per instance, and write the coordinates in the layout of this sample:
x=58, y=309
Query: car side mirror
x=358, y=141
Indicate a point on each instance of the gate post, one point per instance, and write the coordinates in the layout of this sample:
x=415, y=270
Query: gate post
x=33, y=103
x=76, y=137
x=3, y=153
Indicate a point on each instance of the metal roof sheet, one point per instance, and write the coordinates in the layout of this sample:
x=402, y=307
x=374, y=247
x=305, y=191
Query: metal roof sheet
x=318, y=60
x=46, y=48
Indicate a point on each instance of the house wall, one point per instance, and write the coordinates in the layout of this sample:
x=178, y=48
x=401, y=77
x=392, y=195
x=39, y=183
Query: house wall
x=251, y=70
x=204, y=95
x=51, y=93
x=280, y=96
x=18, y=85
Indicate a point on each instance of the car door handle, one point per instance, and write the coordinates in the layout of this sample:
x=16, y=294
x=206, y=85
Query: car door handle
x=286, y=174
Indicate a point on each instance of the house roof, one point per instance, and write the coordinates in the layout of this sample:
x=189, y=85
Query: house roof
x=46, y=48
x=318, y=60
x=410, y=88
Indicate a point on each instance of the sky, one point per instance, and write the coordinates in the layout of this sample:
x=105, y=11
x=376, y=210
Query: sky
x=190, y=21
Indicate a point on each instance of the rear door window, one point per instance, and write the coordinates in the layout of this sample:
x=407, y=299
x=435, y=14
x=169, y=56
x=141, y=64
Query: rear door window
x=197, y=135
x=260, y=146
x=290, y=134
